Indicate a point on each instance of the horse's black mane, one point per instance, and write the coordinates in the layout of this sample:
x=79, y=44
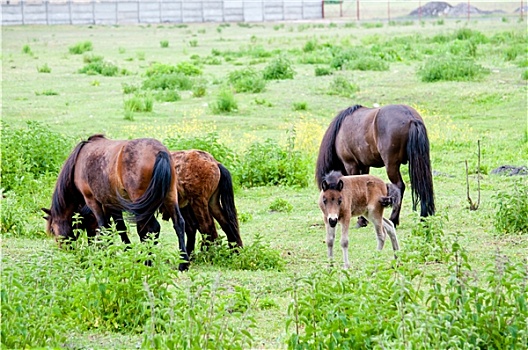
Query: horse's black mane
x=328, y=159
x=96, y=136
x=332, y=179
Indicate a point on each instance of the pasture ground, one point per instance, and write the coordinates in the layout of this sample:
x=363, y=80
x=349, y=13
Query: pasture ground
x=457, y=115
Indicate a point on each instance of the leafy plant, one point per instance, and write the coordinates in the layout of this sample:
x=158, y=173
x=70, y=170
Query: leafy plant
x=27, y=50
x=300, y=106
x=451, y=69
x=164, y=43
x=320, y=71
x=44, y=69
x=341, y=86
x=81, y=47
x=281, y=205
x=139, y=103
x=512, y=209
x=246, y=80
x=105, y=68
x=279, y=68
x=225, y=102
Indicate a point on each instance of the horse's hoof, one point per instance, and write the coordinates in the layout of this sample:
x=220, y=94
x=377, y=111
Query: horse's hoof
x=183, y=266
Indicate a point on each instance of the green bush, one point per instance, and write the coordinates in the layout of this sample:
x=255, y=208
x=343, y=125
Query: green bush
x=300, y=106
x=44, y=69
x=170, y=81
x=140, y=102
x=98, y=66
x=320, y=71
x=341, y=86
x=27, y=50
x=167, y=96
x=246, y=80
x=31, y=152
x=268, y=164
x=367, y=63
x=512, y=209
x=81, y=47
x=225, y=102
x=394, y=307
x=451, y=69
x=524, y=75
x=252, y=257
x=186, y=68
x=281, y=205
x=279, y=68
x=164, y=43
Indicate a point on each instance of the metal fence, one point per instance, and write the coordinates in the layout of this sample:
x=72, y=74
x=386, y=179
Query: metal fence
x=156, y=11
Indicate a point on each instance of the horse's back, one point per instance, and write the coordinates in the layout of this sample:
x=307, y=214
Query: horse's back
x=198, y=174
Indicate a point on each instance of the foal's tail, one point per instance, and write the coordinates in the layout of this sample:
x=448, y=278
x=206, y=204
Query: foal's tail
x=145, y=206
x=393, y=198
x=227, y=200
x=420, y=168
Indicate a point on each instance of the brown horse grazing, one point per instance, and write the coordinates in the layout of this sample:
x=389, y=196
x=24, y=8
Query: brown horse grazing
x=205, y=191
x=110, y=177
x=359, y=138
x=344, y=196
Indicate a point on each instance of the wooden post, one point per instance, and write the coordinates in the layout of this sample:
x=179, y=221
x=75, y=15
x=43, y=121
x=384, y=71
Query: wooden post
x=322, y=8
x=357, y=9
x=388, y=9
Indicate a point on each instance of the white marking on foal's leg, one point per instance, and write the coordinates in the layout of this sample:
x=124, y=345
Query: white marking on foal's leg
x=391, y=231
x=344, y=242
x=380, y=233
x=330, y=237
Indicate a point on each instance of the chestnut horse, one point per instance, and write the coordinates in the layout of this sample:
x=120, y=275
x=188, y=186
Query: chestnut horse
x=359, y=138
x=205, y=191
x=344, y=196
x=112, y=176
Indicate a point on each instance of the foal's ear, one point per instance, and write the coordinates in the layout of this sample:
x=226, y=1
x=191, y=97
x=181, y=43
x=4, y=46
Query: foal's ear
x=339, y=186
x=324, y=185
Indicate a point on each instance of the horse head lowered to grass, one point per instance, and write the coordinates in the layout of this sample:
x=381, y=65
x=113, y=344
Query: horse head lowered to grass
x=359, y=138
x=342, y=197
x=112, y=176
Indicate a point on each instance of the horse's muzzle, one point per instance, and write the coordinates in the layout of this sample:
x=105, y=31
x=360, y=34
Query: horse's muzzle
x=332, y=222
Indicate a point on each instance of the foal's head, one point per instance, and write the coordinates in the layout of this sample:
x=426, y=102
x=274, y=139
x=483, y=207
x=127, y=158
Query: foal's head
x=331, y=197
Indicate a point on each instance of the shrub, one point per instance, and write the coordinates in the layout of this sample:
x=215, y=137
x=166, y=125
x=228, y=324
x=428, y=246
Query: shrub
x=101, y=67
x=281, y=205
x=199, y=89
x=246, y=80
x=320, y=71
x=186, y=68
x=167, y=96
x=164, y=43
x=47, y=92
x=342, y=87
x=225, y=102
x=279, y=68
x=268, y=164
x=31, y=152
x=139, y=103
x=168, y=82
x=27, y=50
x=81, y=47
x=44, y=69
x=368, y=63
x=300, y=106
x=252, y=257
x=129, y=88
x=512, y=209
x=451, y=69
x=524, y=75
x=310, y=45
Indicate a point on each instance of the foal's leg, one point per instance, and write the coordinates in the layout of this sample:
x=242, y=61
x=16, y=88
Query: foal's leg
x=357, y=169
x=391, y=231
x=345, y=222
x=330, y=237
x=377, y=220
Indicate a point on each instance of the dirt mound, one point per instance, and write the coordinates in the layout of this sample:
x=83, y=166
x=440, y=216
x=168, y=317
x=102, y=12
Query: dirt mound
x=510, y=170
x=438, y=8
x=432, y=9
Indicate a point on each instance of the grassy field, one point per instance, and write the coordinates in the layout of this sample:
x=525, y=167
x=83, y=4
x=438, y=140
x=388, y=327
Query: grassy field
x=281, y=225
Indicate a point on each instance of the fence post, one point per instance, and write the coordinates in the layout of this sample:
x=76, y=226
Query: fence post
x=357, y=9
x=22, y=11
x=93, y=12
x=388, y=10
x=47, y=11
x=70, y=11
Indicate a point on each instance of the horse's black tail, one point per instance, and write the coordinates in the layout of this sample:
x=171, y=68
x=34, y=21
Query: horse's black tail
x=146, y=206
x=328, y=159
x=227, y=200
x=420, y=168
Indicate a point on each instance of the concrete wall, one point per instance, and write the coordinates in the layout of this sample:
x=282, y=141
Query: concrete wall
x=157, y=11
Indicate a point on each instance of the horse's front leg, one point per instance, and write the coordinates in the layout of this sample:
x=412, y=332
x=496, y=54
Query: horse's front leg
x=330, y=237
x=345, y=223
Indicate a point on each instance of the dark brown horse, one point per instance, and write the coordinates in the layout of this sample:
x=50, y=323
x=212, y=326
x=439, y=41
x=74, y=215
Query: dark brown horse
x=205, y=191
x=359, y=138
x=110, y=177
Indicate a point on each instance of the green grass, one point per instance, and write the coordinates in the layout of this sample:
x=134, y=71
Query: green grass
x=281, y=225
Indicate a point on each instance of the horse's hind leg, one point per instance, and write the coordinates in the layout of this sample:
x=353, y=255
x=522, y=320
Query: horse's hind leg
x=205, y=222
x=190, y=228
x=393, y=172
x=121, y=226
